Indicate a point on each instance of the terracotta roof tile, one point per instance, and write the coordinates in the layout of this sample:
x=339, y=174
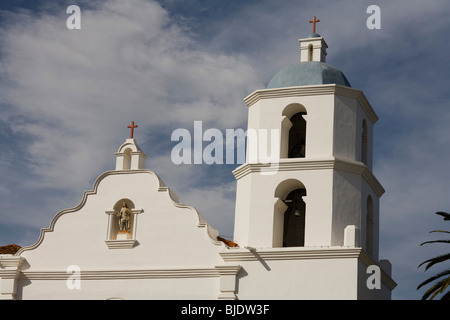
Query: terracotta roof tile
x=9, y=249
x=228, y=242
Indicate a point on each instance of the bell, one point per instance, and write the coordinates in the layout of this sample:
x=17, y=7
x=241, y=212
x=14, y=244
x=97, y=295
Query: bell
x=297, y=213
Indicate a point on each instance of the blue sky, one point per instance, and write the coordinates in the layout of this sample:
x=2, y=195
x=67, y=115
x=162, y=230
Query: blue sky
x=66, y=97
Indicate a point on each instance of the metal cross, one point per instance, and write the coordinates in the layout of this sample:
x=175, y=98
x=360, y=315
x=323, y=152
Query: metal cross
x=314, y=24
x=132, y=128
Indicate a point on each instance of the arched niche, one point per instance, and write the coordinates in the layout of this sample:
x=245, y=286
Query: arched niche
x=130, y=156
x=289, y=214
x=284, y=188
x=293, y=144
x=364, y=143
x=121, y=232
x=294, y=219
x=122, y=226
x=127, y=159
x=292, y=109
x=310, y=52
x=369, y=226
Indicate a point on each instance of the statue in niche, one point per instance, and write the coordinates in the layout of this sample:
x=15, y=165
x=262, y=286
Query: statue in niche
x=124, y=218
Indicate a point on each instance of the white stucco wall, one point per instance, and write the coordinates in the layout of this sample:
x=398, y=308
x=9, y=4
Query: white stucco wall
x=173, y=254
x=169, y=236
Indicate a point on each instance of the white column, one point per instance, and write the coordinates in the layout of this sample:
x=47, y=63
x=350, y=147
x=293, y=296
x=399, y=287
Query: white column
x=228, y=281
x=9, y=274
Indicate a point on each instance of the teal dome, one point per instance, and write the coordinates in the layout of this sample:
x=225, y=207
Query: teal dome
x=314, y=35
x=308, y=73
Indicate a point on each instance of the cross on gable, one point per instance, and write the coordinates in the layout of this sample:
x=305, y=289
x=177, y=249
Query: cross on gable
x=132, y=126
x=314, y=23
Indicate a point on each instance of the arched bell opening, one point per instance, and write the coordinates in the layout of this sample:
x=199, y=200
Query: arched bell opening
x=369, y=226
x=290, y=214
x=293, y=144
x=294, y=219
x=364, y=143
x=297, y=136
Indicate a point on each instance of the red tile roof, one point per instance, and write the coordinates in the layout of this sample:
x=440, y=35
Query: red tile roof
x=9, y=249
x=228, y=242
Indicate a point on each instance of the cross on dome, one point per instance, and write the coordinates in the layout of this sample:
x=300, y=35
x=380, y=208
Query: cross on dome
x=314, y=21
x=132, y=126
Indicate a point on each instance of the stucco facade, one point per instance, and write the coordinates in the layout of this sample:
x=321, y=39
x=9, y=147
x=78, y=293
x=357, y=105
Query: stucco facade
x=130, y=237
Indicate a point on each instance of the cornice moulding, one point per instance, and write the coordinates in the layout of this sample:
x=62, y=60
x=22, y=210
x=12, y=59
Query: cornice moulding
x=314, y=90
x=121, y=244
x=305, y=253
x=290, y=254
x=312, y=164
x=129, y=274
x=228, y=269
x=8, y=261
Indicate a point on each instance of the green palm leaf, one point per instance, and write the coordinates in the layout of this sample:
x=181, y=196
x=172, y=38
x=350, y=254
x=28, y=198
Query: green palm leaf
x=442, y=231
x=446, y=296
x=445, y=215
x=436, y=289
x=443, y=284
x=435, y=241
x=435, y=260
x=444, y=273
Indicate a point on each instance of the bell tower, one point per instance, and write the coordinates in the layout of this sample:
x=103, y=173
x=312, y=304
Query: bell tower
x=307, y=181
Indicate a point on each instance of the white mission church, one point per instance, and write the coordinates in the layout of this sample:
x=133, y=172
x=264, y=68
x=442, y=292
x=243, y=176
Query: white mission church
x=305, y=229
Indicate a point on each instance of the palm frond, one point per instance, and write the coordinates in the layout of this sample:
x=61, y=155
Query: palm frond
x=444, y=214
x=430, y=291
x=442, y=284
x=446, y=296
x=436, y=289
x=435, y=241
x=431, y=262
x=442, y=231
x=441, y=274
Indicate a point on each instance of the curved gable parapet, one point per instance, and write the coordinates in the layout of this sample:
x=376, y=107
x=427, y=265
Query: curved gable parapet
x=161, y=187
x=129, y=144
x=212, y=233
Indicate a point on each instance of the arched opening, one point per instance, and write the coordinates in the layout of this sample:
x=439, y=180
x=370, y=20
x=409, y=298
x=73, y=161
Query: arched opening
x=293, y=135
x=127, y=159
x=369, y=226
x=310, y=52
x=120, y=222
x=364, y=143
x=289, y=214
x=297, y=136
x=294, y=219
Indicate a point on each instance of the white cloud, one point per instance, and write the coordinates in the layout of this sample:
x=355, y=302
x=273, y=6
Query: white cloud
x=71, y=95
x=76, y=90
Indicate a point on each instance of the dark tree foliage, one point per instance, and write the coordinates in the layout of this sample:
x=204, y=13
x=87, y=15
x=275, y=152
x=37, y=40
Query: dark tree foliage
x=440, y=282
